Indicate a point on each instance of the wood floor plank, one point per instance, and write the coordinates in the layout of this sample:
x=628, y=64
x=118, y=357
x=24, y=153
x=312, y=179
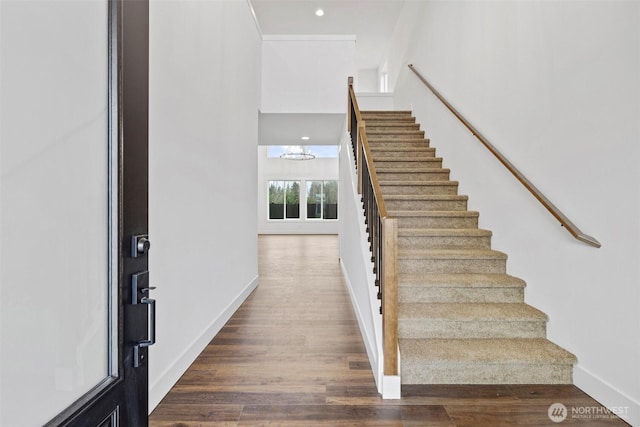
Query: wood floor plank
x=292, y=355
x=202, y=413
x=328, y=415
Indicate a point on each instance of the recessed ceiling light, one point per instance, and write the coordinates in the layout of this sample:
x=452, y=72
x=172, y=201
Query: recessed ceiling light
x=319, y=12
x=305, y=138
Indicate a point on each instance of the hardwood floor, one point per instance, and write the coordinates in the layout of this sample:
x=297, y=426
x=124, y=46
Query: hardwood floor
x=292, y=355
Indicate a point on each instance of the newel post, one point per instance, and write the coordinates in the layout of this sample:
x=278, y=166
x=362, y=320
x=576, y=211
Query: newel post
x=390, y=296
x=349, y=104
x=360, y=154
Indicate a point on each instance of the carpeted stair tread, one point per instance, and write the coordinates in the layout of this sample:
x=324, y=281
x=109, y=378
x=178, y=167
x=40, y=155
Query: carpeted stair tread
x=485, y=350
x=417, y=187
x=439, y=232
x=391, y=125
x=443, y=280
x=425, y=197
x=389, y=150
x=401, y=213
x=410, y=160
x=408, y=144
x=450, y=254
x=379, y=142
x=433, y=202
x=385, y=113
x=460, y=288
x=399, y=131
x=384, y=120
x=412, y=169
x=470, y=312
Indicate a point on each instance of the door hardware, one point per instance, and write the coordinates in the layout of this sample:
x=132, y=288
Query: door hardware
x=140, y=245
x=141, y=316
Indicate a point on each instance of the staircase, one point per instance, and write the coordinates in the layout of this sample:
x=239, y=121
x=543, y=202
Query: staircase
x=461, y=318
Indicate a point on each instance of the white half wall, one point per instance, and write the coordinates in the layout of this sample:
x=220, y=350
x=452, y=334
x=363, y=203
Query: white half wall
x=556, y=87
x=374, y=101
x=276, y=169
x=355, y=260
x=204, y=101
x=306, y=74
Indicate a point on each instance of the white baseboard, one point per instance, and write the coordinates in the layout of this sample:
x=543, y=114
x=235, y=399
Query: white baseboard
x=609, y=396
x=391, y=387
x=369, y=342
x=172, y=374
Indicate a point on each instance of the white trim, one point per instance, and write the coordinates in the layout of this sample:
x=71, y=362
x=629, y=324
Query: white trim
x=255, y=19
x=308, y=37
x=172, y=374
x=607, y=394
x=391, y=387
x=368, y=340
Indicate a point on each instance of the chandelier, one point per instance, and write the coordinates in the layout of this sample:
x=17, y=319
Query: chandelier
x=297, y=152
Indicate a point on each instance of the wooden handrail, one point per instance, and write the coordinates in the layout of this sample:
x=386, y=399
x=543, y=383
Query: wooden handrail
x=564, y=221
x=383, y=233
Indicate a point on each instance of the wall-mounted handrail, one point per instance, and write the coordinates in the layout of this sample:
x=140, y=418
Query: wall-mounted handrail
x=382, y=230
x=564, y=221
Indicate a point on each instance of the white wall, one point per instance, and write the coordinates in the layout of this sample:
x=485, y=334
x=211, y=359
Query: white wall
x=306, y=74
x=556, y=87
x=204, y=100
x=275, y=169
x=355, y=260
x=403, y=35
x=366, y=80
x=374, y=101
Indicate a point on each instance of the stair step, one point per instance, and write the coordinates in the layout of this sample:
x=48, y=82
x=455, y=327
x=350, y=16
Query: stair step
x=391, y=126
x=435, y=219
x=485, y=361
x=470, y=320
x=462, y=288
x=426, y=202
x=368, y=114
x=373, y=134
x=451, y=261
x=415, y=161
x=398, y=143
x=382, y=120
x=443, y=238
x=418, y=187
x=413, y=174
x=385, y=152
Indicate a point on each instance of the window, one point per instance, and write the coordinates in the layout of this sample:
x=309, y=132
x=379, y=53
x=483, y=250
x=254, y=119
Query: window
x=284, y=199
x=322, y=199
x=384, y=82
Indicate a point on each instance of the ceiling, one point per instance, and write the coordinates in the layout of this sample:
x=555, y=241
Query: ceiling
x=371, y=21
x=288, y=129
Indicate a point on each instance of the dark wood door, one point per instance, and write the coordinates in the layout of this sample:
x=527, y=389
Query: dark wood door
x=121, y=399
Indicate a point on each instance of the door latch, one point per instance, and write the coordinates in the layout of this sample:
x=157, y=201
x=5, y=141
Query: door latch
x=142, y=316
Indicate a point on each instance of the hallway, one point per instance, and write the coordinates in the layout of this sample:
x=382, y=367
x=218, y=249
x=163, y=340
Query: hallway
x=292, y=355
